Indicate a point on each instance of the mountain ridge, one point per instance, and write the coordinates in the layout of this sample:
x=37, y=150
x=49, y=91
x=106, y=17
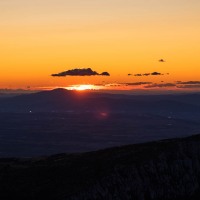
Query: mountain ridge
x=65, y=100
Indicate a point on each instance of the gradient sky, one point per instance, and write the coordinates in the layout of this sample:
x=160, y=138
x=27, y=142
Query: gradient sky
x=41, y=37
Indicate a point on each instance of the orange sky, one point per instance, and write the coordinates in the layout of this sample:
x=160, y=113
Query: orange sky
x=41, y=37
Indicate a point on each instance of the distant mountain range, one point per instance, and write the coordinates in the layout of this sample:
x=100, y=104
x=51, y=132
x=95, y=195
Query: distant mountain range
x=167, y=170
x=61, y=100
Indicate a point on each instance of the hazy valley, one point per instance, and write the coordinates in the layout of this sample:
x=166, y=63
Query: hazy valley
x=59, y=121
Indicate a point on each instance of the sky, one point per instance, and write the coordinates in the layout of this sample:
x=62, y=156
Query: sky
x=43, y=37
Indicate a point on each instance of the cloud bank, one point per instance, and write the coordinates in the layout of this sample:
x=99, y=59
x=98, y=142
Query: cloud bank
x=178, y=84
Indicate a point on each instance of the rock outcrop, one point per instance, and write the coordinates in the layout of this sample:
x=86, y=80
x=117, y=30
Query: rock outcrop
x=167, y=170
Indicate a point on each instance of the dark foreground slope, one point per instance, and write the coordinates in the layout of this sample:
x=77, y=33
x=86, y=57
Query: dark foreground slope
x=167, y=169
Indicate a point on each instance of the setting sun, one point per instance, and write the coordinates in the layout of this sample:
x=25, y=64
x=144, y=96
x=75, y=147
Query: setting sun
x=83, y=87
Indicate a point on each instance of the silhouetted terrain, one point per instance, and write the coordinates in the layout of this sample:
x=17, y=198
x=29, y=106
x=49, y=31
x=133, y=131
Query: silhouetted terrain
x=168, y=169
x=52, y=122
x=57, y=121
x=61, y=100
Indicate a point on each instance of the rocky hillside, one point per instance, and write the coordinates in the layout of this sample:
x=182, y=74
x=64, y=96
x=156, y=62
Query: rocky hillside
x=167, y=170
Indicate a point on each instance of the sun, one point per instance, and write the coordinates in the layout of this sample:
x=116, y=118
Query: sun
x=82, y=87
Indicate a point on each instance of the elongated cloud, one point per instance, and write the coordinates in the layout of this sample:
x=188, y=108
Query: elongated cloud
x=150, y=74
x=80, y=72
x=161, y=85
x=138, y=83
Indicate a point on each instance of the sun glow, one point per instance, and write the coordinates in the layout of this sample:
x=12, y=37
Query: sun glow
x=83, y=87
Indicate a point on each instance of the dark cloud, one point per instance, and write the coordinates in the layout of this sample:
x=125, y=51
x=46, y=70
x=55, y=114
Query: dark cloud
x=162, y=60
x=150, y=74
x=188, y=82
x=129, y=74
x=162, y=85
x=81, y=72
